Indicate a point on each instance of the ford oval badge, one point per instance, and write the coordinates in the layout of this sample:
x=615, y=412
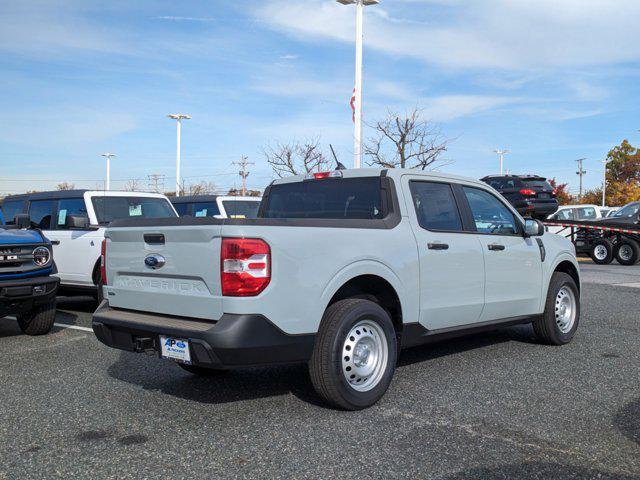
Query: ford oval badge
x=154, y=261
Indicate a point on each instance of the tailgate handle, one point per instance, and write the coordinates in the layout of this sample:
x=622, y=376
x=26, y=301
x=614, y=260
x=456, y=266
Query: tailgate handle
x=154, y=238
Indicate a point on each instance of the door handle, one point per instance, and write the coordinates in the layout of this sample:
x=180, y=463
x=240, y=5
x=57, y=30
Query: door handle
x=438, y=246
x=496, y=247
x=55, y=242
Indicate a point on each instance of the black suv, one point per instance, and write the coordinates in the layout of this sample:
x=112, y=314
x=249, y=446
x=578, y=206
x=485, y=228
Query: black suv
x=531, y=195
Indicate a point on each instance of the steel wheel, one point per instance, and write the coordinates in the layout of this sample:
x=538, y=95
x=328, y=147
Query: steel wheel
x=625, y=252
x=565, y=309
x=364, y=355
x=600, y=252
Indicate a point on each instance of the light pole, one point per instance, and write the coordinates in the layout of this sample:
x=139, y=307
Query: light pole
x=501, y=154
x=604, y=180
x=108, y=157
x=357, y=91
x=178, y=117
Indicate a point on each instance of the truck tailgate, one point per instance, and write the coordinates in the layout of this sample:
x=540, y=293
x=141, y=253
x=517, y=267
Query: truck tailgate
x=186, y=277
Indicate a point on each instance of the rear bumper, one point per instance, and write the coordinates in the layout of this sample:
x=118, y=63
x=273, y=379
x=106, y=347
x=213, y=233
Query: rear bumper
x=17, y=296
x=232, y=341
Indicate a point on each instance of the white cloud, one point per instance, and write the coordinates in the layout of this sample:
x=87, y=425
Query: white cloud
x=449, y=107
x=504, y=34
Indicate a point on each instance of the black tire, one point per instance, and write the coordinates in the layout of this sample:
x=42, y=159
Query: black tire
x=39, y=320
x=630, y=253
x=201, y=371
x=546, y=328
x=326, y=364
x=599, y=246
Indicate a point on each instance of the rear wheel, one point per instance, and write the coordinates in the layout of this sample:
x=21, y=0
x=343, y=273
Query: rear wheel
x=627, y=252
x=354, y=357
x=602, y=251
x=561, y=316
x=39, y=320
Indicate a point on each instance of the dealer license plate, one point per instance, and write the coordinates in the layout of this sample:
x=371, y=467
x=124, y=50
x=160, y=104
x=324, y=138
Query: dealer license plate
x=175, y=349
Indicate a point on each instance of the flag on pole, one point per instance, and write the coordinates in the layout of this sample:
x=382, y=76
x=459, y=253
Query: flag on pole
x=353, y=105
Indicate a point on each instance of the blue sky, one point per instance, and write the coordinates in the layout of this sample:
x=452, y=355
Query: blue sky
x=550, y=80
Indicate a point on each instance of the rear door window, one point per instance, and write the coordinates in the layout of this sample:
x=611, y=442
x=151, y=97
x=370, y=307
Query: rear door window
x=435, y=206
x=331, y=198
x=10, y=208
x=205, y=209
x=41, y=212
x=586, y=213
x=566, y=214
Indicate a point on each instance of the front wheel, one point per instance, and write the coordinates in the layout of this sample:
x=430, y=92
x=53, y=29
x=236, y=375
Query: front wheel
x=39, y=320
x=355, y=354
x=559, y=322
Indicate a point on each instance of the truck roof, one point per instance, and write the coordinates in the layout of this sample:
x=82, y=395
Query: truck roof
x=395, y=173
x=210, y=198
x=58, y=194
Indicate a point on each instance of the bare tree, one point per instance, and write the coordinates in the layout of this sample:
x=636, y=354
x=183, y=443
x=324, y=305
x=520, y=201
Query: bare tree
x=65, y=186
x=296, y=158
x=406, y=142
x=202, y=188
x=132, y=185
x=234, y=192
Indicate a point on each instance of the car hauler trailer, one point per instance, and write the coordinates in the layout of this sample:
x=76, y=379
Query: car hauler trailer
x=601, y=240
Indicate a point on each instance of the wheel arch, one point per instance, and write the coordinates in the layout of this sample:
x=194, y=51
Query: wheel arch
x=570, y=269
x=377, y=282
x=95, y=273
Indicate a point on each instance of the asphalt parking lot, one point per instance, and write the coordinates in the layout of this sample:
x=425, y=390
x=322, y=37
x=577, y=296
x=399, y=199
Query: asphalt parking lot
x=492, y=406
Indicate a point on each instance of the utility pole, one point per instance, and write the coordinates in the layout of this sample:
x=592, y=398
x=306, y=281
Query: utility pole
x=156, y=182
x=581, y=173
x=357, y=91
x=243, y=163
x=108, y=156
x=501, y=154
x=178, y=117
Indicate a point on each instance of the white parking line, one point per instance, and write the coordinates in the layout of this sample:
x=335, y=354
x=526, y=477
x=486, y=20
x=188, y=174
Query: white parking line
x=73, y=327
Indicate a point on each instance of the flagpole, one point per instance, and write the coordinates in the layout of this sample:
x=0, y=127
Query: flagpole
x=356, y=99
x=357, y=118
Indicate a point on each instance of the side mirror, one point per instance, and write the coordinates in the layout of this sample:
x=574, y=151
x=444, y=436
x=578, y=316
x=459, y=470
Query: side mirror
x=22, y=220
x=533, y=228
x=76, y=221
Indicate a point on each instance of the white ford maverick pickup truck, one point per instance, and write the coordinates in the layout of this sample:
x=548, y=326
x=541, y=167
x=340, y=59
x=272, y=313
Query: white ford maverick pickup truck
x=342, y=270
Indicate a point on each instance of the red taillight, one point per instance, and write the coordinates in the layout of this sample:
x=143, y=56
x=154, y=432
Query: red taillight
x=321, y=175
x=103, y=262
x=528, y=192
x=245, y=266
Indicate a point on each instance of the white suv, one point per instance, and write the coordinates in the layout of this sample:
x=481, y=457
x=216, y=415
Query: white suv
x=75, y=221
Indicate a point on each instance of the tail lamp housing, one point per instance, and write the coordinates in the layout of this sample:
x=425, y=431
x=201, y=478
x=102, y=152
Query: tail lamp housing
x=527, y=192
x=245, y=266
x=103, y=262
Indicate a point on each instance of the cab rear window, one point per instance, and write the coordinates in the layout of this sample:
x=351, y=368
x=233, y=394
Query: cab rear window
x=339, y=198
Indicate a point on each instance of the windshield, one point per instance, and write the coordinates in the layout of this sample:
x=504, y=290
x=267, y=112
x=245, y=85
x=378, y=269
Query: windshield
x=352, y=198
x=241, y=208
x=109, y=209
x=628, y=211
